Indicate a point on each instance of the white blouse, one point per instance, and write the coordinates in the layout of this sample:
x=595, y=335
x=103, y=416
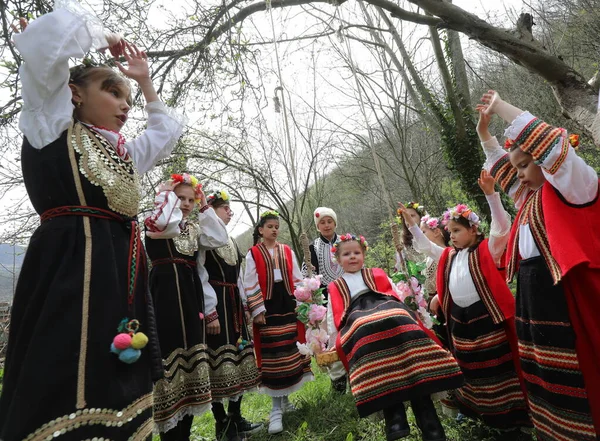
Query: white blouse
x=46, y=46
x=356, y=287
x=576, y=181
x=460, y=284
x=165, y=223
x=251, y=275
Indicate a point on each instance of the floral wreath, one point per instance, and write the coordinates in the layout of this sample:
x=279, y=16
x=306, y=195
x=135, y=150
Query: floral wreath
x=184, y=178
x=461, y=210
x=431, y=222
x=269, y=213
x=347, y=238
x=420, y=209
x=219, y=194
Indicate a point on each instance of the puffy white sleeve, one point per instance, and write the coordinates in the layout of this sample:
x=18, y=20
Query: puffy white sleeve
x=499, y=228
x=165, y=126
x=573, y=178
x=296, y=272
x=240, y=284
x=331, y=330
x=423, y=245
x=46, y=46
x=254, y=296
x=213, y=232
x=163, y=222
x=210, y=296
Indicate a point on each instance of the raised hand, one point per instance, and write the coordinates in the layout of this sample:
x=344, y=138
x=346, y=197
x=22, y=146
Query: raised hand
x=137, y=62
x=486, y=182
x=406, y=215
x=200, y=195
x=491, y=100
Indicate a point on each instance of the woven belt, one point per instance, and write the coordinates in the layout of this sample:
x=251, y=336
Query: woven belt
x=239, y=311
x=176, y=260
x=137, y=256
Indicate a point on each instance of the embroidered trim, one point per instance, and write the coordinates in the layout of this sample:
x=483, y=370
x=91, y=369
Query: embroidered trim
x=87, y=277
x=564, y=150
x=446, y=294
x=143, y=432
x=483, y=289
x=329, y=269
x=103, y=167
x=211, y=317
x=229, y=253
x=504, y=173
x=187, y=241
x=93, y=416
x=344, y=291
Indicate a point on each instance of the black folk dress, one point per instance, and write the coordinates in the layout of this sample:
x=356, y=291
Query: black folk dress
x=233, y=370
x=84, y=272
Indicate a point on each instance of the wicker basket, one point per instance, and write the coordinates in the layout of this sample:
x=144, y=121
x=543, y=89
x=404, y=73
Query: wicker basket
x=327, y=358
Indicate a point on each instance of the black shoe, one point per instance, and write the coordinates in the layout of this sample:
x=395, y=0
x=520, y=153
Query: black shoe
x=427, y=419
x=246, y=427
x=339, y=385
x=396, y=423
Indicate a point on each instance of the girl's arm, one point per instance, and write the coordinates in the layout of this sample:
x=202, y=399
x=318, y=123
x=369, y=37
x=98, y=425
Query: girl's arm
x=213, y=232
x=163, y=222
x=296, y=273
x=254, y=296
x=46, y=46
x=210, y=296
x=331, y=330
x=500, y=225
x=562, y=167
x=423, y=245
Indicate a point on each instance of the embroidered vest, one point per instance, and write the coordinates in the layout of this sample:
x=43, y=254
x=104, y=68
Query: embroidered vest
x=339, y=295
x=489, y=282
x=566, y=234
x=264, y=267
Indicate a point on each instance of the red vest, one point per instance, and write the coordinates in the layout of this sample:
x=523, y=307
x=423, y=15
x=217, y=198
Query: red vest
x=488, y=279
x=339, y=295
x=567, y=235
x=264, y=268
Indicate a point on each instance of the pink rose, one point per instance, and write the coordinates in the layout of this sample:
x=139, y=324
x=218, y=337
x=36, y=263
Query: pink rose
x=316, y=313
x=403, y=289
x=313, y=283
x=302, y=294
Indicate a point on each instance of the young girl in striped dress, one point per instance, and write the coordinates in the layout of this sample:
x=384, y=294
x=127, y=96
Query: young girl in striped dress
x=553, y=251
x=390, y=356
x=479, y=310
x=271, y=273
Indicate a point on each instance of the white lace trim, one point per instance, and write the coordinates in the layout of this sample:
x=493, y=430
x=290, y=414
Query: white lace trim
x=171, y=423
x=92, y=23
x=289, y=390
x=517, y=125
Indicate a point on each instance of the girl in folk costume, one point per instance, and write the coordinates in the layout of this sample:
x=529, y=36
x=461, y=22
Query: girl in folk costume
x=390, y=356
x=233, y=368
x=416, y=212
x=182, y=318
x=479, y=310
x=271, y=273
x=553, y=249
x=83, y=281
x=325, y=265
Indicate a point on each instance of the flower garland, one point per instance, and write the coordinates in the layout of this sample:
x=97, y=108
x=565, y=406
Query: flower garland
x=184, y=178
x=311, y=311
x=430, y=222
x=269, y=213
x=461, y=210
x=347, y=238
x=220, y=194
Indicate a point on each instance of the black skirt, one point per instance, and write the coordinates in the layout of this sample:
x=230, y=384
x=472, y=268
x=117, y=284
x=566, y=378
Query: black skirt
x=284, y=370
x=555, y=386
x=492, y=391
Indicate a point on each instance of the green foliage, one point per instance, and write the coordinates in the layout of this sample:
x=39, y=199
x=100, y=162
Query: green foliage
x=325, y=415
x=413, y=269
x=381, y=252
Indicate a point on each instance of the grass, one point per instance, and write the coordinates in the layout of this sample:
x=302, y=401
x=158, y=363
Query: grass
x=324, y=415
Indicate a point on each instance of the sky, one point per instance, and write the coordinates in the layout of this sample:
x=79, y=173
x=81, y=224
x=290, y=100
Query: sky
x=299, y=62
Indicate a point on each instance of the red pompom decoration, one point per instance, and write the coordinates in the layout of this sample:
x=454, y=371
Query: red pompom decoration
x=317, y=215
x=122, y=341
